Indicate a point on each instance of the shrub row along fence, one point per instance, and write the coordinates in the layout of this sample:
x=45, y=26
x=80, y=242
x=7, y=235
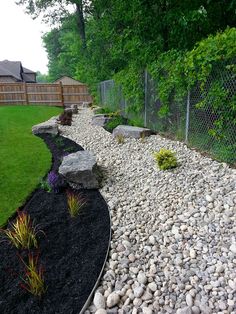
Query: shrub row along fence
x=187, y=119
x=37, y=93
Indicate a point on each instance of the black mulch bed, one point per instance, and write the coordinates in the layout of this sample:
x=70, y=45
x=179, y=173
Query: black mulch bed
x=72, y=251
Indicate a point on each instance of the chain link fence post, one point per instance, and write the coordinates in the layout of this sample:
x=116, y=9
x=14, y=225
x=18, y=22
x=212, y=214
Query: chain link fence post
x=187, y=117
x=145, y=96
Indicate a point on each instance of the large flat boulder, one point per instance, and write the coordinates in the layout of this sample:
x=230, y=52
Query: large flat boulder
x=54, y=119
x=49, y=126
x=95, y=110
x=100, y=119
x=131, y=131
x=86, y=104
x=79, y=170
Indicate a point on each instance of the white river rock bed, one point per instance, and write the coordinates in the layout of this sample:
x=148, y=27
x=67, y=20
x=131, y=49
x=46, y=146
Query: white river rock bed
x=173, y=247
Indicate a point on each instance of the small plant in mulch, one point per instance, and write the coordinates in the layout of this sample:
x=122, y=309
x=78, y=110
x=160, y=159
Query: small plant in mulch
x=22, y=233
x=65, y=118
x=33, y=280
x=75, y=203
x=165, y=159
x=69, y=149
x=120, y=138
x=53, y=181
x=58, y=141
x=45, y=185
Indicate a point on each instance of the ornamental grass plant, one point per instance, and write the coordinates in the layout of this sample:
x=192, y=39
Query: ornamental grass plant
x=33, y=280
x=75, y=203
x=22, y=233
x=120, y=138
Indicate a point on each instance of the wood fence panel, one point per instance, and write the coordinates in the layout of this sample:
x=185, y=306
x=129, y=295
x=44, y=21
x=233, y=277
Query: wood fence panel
x=49, y=94
x=74, y=94
x=37, y=94
x=12, y=93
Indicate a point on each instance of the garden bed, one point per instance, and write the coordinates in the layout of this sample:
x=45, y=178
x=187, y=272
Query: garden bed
x=71, y=250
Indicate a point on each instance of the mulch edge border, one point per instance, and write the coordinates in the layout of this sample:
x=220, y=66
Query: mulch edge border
x=87, y=303
x=102, y=269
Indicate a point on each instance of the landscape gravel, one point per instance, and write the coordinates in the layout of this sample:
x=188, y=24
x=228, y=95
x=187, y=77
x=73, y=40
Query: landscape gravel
x=173, y=247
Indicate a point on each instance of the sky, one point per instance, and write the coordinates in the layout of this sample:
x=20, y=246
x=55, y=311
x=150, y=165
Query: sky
x=20, y=37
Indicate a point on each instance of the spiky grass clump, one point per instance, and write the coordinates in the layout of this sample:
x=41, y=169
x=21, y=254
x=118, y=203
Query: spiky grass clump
x=22, y=233
x=165, y=159
x=120, y=138
x=75, y=203
x=33, y=280
x=142, y=137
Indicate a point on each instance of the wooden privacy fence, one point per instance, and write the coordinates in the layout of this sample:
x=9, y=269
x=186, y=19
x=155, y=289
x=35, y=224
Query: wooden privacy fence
x=37, y=93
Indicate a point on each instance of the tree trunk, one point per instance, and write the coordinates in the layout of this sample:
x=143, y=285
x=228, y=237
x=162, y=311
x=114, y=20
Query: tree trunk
x=80, y=22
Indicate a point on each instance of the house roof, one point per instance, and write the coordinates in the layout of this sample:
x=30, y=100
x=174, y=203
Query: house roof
x=11, y=68
x=66, y=77
x=27, y=70
x=15, y=69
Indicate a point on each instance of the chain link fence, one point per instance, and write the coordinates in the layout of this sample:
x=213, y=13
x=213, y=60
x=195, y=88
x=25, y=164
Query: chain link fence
x=192, y=119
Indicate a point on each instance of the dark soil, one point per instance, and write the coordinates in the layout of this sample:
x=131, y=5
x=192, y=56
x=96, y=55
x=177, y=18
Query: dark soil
x=71, y=250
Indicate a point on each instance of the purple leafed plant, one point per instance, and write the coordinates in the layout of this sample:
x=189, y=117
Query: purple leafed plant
x=53, y=181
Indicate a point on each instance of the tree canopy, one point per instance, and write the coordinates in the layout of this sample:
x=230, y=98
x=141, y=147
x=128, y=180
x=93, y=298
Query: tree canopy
x=106, y=38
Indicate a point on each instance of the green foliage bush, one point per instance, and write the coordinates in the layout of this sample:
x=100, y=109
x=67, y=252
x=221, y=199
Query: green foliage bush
x=104, y=110
x=165, y=159
x=114, y=122
x=176, y=72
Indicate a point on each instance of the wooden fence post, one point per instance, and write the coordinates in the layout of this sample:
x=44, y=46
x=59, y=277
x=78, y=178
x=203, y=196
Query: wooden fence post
x=26, y=93
x=61, y=94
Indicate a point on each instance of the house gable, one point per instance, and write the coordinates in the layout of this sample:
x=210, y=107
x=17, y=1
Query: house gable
x=67, y=80
x=15, y=71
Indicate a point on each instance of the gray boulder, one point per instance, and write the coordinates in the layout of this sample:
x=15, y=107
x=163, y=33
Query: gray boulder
x=74, y=108
x=86, y=104
x=79, y=169
x=49, y=126
x=131, y=131
x=54, y=119
x=100, y=119
x=69, y=110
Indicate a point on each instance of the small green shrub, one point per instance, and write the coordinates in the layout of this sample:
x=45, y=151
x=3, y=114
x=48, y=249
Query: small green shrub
x=69, y=149
x=114, y=114
x=58, y=141
x=165, y=159
x=112, y=124
x=45, y=185
x=104, y=110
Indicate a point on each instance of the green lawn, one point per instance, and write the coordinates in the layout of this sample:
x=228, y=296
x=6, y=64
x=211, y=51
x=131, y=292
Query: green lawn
x=24, y=158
